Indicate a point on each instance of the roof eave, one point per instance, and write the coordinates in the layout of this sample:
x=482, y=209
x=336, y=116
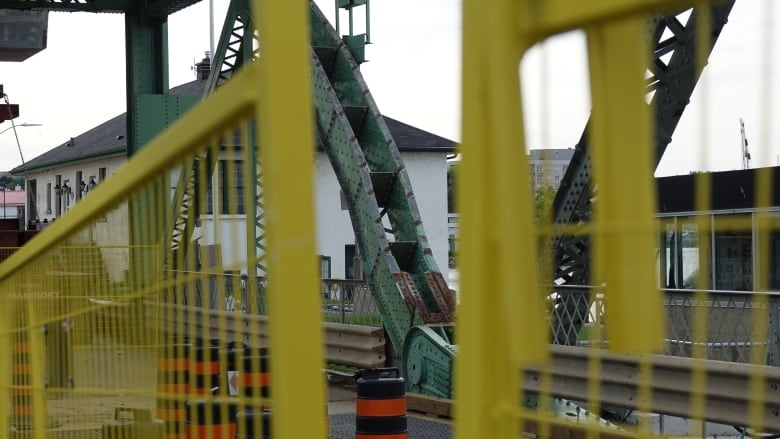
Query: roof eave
x=23, y=170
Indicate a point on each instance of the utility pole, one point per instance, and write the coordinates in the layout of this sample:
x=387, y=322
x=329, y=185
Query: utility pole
x=745, y=153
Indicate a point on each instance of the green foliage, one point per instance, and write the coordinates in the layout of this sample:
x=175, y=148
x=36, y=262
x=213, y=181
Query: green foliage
x=360, y=319
x=543, y=197
x=10, y=182
x=543, y=201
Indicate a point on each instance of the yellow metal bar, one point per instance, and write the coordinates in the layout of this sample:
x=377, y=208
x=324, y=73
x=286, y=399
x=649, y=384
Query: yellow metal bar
x=6, y=342
x=622, y=148
x=181, y=139
x=285, y=130
x=541, y=19
x=500, y=314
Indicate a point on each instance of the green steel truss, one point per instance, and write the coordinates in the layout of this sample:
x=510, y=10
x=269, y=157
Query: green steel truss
x=397, y=261
x=673, y=73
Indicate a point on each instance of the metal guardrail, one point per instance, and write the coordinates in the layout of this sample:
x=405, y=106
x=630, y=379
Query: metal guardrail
x=725, y=394
x=350, y=345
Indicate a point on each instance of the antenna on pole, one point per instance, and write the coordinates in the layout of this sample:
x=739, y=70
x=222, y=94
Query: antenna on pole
x=745, y=152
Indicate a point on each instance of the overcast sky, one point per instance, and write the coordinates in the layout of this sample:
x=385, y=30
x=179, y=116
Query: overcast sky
x=413, y=73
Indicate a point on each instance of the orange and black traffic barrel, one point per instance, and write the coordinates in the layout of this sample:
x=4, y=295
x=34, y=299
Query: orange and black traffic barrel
x=254, y=424
x=255, y=381
x=173, y=388
x=21, y=378
x=381, y=405
x=204, y=367
x=212, y=418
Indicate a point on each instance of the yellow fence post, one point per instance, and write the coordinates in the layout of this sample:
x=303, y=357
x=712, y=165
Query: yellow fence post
x=499, y=322
x=500, y=317
x=622, y=147
x=285, y=129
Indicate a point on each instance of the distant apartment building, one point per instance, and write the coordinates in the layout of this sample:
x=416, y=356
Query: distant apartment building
x=548, y=166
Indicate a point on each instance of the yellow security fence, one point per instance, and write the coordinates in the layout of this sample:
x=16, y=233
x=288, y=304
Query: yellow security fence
x=98, y=335
x=509, y=379
x=83, y=353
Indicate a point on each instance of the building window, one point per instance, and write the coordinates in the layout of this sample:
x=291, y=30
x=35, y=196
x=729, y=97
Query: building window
x=350, y=261
x=733, y=241
x=58, y=195
x=231, y=182
x=67, y=192
x=682, y=258
x=48, y=198
x=80, y=185
x=324, y=267
x=101, y=174
x=231, y=189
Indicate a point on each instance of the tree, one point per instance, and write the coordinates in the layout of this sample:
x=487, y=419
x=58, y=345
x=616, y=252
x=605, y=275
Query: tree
x=10, y=182
x=543, y=202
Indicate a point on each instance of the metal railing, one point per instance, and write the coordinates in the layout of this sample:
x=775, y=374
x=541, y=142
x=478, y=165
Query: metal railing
x=577, y=317
x=345, y=301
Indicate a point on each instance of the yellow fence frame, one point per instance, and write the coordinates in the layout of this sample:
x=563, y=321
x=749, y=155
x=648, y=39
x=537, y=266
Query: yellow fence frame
x=277, y=89
x=500, y=326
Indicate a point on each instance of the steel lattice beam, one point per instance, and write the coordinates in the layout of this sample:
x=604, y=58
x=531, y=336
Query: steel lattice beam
x=673, y=76
x=671, y=84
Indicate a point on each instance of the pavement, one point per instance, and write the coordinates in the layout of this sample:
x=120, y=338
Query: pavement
x=341, y=399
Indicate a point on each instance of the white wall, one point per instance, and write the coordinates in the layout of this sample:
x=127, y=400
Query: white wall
x=110, y=230
x=67, y=173
x=334, y=228
x=427, y=172
x=428, y=175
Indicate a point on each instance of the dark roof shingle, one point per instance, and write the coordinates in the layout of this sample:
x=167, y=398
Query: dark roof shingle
x=109, y=138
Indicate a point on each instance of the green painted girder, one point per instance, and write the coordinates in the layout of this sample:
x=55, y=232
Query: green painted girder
x=156, y=9
x=164, y=8
x=407, y=286
x=116, y=6
x=674, y=75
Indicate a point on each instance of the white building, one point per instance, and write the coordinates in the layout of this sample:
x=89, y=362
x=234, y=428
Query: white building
x=59, y=178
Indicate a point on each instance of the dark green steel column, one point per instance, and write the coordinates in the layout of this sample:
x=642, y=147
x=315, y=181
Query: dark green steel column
x=146, y=46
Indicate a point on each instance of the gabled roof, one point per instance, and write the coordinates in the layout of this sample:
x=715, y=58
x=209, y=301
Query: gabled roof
x=110, y=138
x=409, y=138
x=106, y=139
x=12, y=198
